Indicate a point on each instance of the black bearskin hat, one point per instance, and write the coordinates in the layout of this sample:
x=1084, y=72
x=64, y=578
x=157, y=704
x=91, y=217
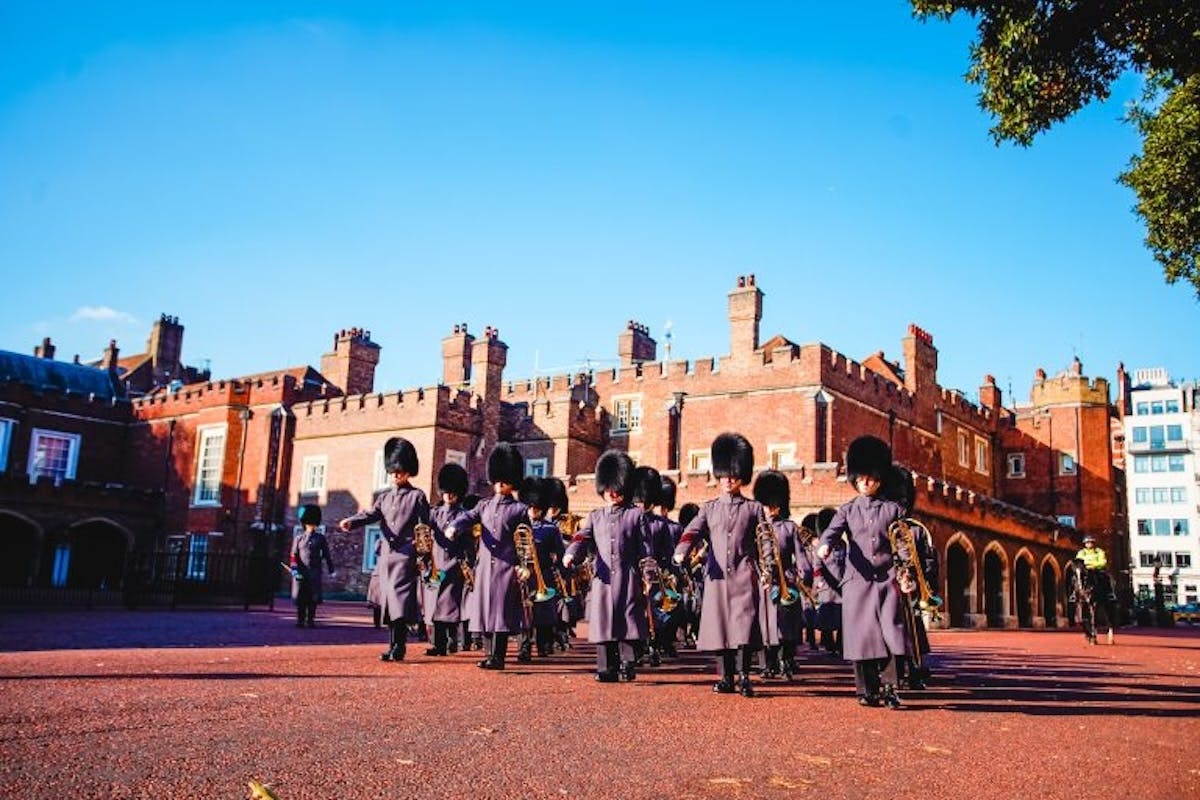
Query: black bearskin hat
x=687, y=513
x=809, y=522
x=666, y=493
x=647, y=486
x=452, y=479
x=614, y=473
x=558, y=495
x=898, y=487
x=310, y=515
x=535, y=493
x=732, y=455
x=868, y=455
x=771, y=488
x=399, y=455
x=824, y=517
x=505, y=465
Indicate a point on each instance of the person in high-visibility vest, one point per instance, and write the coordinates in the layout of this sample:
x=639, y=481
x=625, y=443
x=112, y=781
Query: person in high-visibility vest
x=1093, y=557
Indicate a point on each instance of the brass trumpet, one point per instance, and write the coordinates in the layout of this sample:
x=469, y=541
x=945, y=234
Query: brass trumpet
x=902, y=534
x=527, y=552
x=770, y=564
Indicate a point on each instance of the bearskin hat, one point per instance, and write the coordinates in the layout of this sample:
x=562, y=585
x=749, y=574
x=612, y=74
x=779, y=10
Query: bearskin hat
x=824, y=517
x=809, y=522
x=310, y=515
x=505, y=465
x=666, y=493
x=535, y=493
x=771, y=488
x=558, y=495
x=452, y=479
x=647, y=486
x=687, y=513
x=898, y=487
x=399, y=455
x=868, y=455
x=732, y=455
x=614, y=473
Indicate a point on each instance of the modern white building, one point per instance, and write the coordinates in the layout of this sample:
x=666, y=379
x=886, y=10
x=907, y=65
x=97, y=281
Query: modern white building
x=1162, y=436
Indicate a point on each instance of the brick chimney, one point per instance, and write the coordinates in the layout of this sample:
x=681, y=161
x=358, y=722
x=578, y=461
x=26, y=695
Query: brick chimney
x=351, y=365
x=745, y=312
x=111, y=354
x=635, y=345
x=456, y=356
x=989, y=393
x=920, y=361
x=488, y=357
x=165, y=348
x=44, y=350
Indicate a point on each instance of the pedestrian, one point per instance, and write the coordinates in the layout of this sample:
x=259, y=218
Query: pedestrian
x=872, y=605
x=729, y=625
x=398, y=511
x=310, y=552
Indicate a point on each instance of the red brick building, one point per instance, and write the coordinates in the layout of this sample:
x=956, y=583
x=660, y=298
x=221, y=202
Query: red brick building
x=1005, y=491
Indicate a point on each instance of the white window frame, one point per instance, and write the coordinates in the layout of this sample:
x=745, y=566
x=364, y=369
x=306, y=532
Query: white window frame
x=201, y=489
x=1067, y=465
x=456, y=457
x=781, y=456
x=6, y=433
x=1014, y=461
x=315, y=474
x=536, y=467
x=699, y=461
x=73, y=441
x=627, y=412
x=371, y=535
x=197, y=557
x=982, y=455
x=964, y=449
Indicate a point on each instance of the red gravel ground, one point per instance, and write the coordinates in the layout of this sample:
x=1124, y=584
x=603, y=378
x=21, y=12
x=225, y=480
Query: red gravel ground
x=194, y=704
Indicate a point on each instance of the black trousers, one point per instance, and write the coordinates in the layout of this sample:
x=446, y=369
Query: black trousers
x=610, y=655
x=496, y=646
x=873, y=673
x=733, y=662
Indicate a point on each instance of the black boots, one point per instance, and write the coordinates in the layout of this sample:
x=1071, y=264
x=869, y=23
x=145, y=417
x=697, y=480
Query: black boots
x=890, y=698
x=744, y=686
x=396, y=636
x=393, y=653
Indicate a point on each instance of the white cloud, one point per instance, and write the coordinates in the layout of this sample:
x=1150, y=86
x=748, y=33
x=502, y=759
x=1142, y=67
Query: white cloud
x=101, y=314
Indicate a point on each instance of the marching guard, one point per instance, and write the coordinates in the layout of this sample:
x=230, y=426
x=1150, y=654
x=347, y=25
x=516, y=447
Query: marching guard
x=782, y=607
x=615, y=534
x=542, y=587
x=398, y=511
x=310, y=550
x=872, y=604
x=729, y=619
x=445, y=575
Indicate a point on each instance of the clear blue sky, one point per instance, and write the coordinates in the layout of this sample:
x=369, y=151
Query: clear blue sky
x=270, y=172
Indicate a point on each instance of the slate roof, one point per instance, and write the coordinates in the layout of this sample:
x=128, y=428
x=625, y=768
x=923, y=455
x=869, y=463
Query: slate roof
x=50, y=375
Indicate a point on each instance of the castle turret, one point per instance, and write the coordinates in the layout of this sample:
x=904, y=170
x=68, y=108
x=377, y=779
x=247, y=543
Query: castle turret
x=351, y=365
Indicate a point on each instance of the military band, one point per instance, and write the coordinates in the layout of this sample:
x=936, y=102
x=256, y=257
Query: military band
x=735, y=577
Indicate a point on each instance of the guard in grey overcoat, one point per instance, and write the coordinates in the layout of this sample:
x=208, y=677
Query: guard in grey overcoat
x=541, y=599
x=398, y=510
x=310, y=551
x=782, y=623
x=872, y=604
x=616, y=536
x=444, y=585
x=494, y=608
x=729, y=623
x=570, y=600
x=647, y=491
x=827, y=579
x=669, y=630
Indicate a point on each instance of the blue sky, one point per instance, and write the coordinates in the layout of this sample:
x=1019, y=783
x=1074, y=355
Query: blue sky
x=271, y=172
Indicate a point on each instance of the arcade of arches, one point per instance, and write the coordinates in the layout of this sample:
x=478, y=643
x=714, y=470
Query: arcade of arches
x=996, y=590
x=87, y=554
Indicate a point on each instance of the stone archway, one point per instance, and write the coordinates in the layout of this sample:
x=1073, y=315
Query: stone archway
x=995, y=605
x=1050, y=592
x=95, y=555
x=960, y=581
x=1023, y=590
x=21, y=540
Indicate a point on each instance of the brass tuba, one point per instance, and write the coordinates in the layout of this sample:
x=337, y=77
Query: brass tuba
x=903, y=534
x=770, y=564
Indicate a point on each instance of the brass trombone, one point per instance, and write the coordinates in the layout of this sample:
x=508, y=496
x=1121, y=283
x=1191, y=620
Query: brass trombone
x=770, y=564
x=468, y=572
x=527, y=552
x=424, y=547
x=902, y=534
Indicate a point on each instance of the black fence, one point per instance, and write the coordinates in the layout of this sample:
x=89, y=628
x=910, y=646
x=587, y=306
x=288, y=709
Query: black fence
x=167, y=579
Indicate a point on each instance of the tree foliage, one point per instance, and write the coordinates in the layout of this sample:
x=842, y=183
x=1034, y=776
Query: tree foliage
x=1037, y=62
